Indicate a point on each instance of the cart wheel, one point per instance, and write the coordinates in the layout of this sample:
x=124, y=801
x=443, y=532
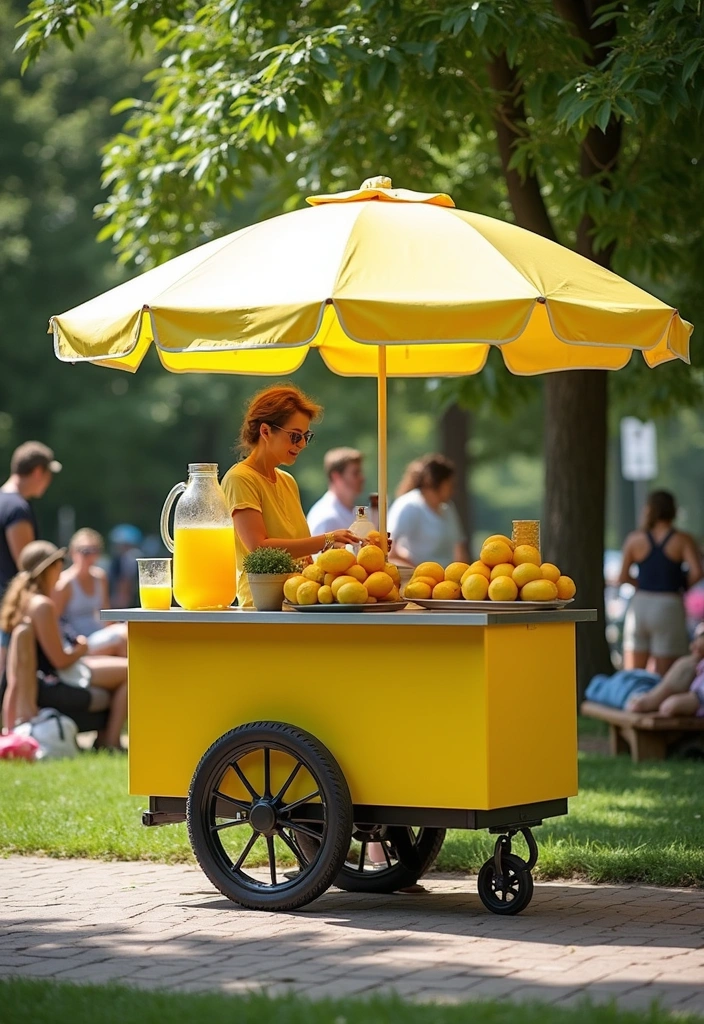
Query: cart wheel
x=408, y=854
x=262, y=784
x=510, y=894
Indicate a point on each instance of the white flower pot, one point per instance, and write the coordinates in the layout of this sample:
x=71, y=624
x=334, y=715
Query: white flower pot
x=267, y=590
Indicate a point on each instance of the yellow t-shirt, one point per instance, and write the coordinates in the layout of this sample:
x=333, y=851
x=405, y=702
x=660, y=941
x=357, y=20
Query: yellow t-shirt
x=279, y=504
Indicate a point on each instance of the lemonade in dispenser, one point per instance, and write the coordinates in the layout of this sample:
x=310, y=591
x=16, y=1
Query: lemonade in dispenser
x=203, y=545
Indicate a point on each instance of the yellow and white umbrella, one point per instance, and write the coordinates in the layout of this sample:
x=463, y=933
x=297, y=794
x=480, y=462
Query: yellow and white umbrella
x=384, y=282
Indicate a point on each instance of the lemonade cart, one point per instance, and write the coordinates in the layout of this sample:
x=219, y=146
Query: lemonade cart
x=255, y=727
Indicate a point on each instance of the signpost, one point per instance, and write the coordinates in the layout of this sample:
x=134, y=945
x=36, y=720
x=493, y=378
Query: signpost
x=639, y=457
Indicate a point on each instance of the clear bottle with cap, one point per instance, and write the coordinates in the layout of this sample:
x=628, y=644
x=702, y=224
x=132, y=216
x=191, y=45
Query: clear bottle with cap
x=362, y=525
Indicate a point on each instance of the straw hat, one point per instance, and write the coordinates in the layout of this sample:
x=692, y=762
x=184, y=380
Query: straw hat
x=38, y=556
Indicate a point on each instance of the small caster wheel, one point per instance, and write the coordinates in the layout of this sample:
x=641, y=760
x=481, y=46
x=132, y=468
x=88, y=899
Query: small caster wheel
x=507, y=895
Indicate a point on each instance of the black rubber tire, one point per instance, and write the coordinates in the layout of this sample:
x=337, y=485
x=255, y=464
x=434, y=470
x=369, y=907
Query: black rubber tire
x=411, y=863
x=315, y=877
x=518, y=892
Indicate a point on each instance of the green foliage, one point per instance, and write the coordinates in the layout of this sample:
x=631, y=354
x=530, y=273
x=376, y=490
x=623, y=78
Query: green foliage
x=274, y=561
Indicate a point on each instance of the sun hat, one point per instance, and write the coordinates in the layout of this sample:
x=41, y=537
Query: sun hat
x=38, y=555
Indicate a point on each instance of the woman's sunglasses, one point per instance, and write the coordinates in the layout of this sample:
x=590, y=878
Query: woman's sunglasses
x=88, y=551
x=295, y=435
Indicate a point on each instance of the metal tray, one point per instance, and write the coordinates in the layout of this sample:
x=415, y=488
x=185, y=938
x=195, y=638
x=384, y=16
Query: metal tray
x=461, y=605
x=386, y=606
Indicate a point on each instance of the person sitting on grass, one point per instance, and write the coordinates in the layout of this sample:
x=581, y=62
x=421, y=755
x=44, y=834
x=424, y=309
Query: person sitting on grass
x=681, y=690
x=82, y=591
x=92, y=682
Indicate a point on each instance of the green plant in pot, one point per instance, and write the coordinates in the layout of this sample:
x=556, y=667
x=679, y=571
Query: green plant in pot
x=267, y=570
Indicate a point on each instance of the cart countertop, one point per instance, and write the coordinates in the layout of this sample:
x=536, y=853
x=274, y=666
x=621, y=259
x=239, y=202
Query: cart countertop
x=409, y=617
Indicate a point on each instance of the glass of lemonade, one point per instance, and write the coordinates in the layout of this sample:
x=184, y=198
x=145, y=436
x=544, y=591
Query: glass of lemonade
x=154, y=583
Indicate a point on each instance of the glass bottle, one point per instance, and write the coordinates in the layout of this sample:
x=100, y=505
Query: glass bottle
x=203, y=545
x=362, y=525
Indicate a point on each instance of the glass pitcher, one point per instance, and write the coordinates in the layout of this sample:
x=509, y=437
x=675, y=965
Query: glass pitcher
x=203, y=544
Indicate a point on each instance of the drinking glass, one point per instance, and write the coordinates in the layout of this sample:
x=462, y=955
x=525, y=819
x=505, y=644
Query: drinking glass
x=154, y=583
x=526, y=531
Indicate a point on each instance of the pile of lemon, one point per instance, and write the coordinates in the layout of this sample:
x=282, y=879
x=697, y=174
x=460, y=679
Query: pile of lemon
x=503, y=572
x=338, y=577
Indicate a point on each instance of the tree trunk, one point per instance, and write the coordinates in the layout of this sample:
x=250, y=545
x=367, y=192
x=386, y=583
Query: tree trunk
x=575, y=500
x=455, y=426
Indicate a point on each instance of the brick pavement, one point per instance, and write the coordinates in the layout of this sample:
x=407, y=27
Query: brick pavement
x=163, y=926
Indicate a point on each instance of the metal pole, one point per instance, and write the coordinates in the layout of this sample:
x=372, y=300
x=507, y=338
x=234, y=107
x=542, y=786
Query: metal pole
x=382, y=442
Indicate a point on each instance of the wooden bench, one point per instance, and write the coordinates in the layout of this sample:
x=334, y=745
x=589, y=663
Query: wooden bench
x=649, y=736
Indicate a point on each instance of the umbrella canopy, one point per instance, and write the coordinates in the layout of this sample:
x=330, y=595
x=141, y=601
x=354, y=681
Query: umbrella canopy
x=434, y=285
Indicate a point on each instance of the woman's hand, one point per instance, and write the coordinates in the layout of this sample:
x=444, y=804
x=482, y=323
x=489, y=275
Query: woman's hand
x=81, y=646
x=344, y=537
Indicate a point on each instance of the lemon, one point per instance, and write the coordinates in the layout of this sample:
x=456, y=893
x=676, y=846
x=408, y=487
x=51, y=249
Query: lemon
x=475, y=568
x=357, y=572
x=502, y=569
x=307, y=593
x=416, y=589
x=393, y=594
x=455, y=571
x=475, y=586
x=501, y=537
x=494, y=552
x=503, y=589
x=325, y=595
x=314, y=572
x=550, y=572
x=566, y=588
x=352, y=593
x=373, y=537
x=291, y=587
x=429, y=580
x=392, y=570
x=340, y=581
x=526, y=553
x=371, y=600
x=336, y=560
x=329, y=577
x=539, y=590
x=431, y=569
x=526, y=573
x=379, y=584
x=448, y=590
x=371, y=558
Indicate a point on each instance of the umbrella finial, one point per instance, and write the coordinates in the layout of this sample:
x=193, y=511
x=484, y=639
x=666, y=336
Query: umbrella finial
x=378, y=181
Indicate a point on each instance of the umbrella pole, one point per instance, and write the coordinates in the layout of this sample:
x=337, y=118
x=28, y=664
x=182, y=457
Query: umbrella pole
x=382, y=442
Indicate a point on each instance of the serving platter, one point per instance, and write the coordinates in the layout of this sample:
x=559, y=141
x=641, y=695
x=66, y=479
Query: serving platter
x=342, y=609
x=488, y=606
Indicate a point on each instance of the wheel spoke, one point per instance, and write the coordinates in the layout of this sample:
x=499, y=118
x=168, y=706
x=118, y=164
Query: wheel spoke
x=387, y=853
x=362, y=855
x=272, y=858
x=239, y=804
x=297, y=803
x=229, y=824
x=284, y=789
x=267, y=772
x=304, y=830
x=294, y=848
x=245, y=781
x=245, y=853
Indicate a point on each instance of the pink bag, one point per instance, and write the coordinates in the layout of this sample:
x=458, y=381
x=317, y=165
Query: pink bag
x=16, y=747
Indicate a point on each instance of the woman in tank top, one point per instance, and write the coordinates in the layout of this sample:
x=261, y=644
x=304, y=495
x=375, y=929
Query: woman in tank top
x=668, y=562
x=82, y=591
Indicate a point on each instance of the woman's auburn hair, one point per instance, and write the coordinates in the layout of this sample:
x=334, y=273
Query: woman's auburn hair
x=14, y=603
x=275, y=405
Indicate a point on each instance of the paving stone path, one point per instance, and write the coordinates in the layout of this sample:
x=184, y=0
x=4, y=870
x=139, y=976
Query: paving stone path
x=163, y=926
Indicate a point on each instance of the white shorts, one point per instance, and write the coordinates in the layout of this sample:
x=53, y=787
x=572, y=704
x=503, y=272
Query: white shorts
x=655, y=624
x=77, y=674
x=105, y=637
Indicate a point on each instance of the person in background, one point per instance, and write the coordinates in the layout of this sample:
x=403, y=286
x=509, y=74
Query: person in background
x=82, y=590
x=423, y=522
x=336, y=509
x=681, y=691
x=123, y=574
x=263, y=499
x=655, y=629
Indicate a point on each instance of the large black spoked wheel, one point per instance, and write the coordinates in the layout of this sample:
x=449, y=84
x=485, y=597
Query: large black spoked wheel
x=263, y=786
x=507, y=893
x=386, y=858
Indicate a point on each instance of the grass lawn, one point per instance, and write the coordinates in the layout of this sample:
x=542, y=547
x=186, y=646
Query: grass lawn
x=630, y=823
x=45, y=1002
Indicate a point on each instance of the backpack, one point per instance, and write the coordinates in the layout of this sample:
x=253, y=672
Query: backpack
x=55, y=733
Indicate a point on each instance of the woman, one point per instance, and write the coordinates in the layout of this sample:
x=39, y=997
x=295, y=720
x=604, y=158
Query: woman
x=82, y=591
x=423, y=521
x=655, y=626
x=263, y=499
x=70, y=680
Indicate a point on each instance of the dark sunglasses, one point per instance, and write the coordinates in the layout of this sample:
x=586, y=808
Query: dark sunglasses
x=88, y=551
x=295, y=435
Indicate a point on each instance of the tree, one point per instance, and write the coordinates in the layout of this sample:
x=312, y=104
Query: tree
x=568, y=117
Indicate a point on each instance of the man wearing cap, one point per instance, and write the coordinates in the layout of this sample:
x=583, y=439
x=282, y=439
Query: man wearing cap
x=32, y=468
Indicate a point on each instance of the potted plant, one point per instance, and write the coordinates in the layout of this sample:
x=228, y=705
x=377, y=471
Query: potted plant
x=267, y=570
